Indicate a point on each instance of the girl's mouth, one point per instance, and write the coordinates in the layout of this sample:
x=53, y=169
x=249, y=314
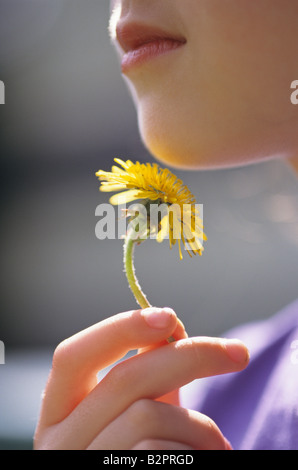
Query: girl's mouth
x=141, y=43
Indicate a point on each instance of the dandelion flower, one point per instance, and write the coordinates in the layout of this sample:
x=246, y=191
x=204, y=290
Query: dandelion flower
x=158, y=187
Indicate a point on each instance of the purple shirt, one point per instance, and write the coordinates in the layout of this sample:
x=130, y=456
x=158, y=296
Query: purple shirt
x=256, y=409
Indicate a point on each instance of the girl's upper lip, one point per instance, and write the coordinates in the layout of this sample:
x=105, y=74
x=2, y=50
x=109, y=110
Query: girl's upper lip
x=131, y=36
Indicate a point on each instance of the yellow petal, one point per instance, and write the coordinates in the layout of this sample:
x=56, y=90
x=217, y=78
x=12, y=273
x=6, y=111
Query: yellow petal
x=117, y=170
x=124, y=197
x=125, y=165
x=105, y=188
x=164, y=231
x=180, y=252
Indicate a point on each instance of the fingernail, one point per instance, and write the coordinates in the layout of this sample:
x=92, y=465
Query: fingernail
x=158, y=318
x=236, y=350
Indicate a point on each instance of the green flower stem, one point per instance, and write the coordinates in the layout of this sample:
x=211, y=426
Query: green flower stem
x=130, y=272
x=133, y=282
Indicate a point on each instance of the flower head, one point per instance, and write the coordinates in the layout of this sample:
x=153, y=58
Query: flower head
x=159, y=187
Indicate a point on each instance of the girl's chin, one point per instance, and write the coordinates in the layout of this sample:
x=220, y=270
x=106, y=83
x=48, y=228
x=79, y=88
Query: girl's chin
x=181, y=157
x=206, y=153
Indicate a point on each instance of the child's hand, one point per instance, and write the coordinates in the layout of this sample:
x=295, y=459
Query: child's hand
x=123, y=410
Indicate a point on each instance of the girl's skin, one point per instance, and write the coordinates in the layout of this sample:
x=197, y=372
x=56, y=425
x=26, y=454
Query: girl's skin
x=122, y=412
x=222, y=99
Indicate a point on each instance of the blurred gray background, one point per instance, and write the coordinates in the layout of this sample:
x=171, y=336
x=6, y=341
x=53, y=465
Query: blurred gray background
x=67, y=114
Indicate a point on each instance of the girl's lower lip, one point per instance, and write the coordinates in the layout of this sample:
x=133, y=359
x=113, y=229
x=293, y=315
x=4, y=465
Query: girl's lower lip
x=148, y=51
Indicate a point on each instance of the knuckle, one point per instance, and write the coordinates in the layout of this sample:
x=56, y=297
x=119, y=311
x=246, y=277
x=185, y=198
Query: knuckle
x=191, y=347
x=120, y=376
x=63, y=354
x=142, y=412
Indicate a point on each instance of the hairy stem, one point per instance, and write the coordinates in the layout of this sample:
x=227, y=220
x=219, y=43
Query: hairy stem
x=133, y=282
x=130, y=272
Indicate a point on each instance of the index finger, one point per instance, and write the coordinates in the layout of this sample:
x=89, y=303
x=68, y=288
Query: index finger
x=149, y=375
x=78, y=359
